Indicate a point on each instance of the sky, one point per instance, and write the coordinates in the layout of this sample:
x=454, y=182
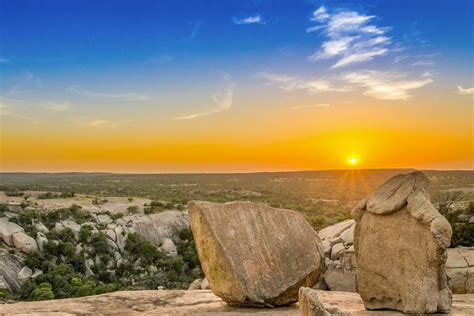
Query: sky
x=235, y=86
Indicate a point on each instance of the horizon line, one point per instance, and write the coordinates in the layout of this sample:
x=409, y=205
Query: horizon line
x=227, y=172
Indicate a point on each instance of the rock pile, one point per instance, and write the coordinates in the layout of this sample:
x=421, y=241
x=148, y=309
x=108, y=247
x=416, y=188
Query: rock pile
x=255, y=255
x=14, y=236
x=400, y=241
x=338, y=248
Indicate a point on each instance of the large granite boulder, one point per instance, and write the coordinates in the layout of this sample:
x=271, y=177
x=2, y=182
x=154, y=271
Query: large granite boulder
x=460, y=270
x=400, y=242
x=255, y=255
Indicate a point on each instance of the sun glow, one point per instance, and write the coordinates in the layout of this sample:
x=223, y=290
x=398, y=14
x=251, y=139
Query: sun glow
x=352, y=161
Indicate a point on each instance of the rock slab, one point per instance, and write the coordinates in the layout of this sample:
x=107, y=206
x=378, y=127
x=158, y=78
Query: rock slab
x=312, y=305
x=255, y=255
x=400, y=243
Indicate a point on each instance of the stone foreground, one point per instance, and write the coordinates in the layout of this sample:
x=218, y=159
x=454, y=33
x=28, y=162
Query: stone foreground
x=253, y=254
x=400, y=241
x=201, y=302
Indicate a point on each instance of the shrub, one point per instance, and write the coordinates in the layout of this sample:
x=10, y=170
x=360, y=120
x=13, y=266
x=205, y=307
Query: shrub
x=43, y=292
x=85, y=234
x=132, y=209
x=3, y=209
x=65, y=235
x=86, y=289
x=143, y=249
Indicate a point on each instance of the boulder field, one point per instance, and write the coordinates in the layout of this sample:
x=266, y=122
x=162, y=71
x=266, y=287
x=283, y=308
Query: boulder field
x=255, y=255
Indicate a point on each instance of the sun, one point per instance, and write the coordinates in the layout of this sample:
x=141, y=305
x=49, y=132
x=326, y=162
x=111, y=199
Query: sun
x=352, y=161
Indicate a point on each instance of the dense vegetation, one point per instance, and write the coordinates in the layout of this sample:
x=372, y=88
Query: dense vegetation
x=63, y=259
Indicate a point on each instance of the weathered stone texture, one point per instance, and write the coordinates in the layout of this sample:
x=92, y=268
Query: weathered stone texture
x=400, y=243
x=255, y=255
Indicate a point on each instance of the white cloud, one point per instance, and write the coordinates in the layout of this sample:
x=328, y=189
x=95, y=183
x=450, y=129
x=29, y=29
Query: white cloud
x=359, y=57
x=130, y=96
x=423, y=63
x=59, y=107
x=320, y=14
x=4, y=60
x=468, y=91
x=332, y=48
x=222, y=100
x=319, y=105
x=99, y=123
x=350, y=36
x=286, y=82
x=385, y=85
x=255, y=19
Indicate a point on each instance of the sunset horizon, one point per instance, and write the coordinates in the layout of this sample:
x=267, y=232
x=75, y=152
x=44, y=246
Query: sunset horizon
x=163, y=87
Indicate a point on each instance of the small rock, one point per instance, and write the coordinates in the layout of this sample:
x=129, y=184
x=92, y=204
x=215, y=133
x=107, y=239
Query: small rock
x=24, y=243
x=205, y=285
x=336, y=230
x=111, y=234
x=169, y=248
x=347, y=236
x=112, y=245
x=311, y=305
x=37, y=273
x=103, y=219
x=195, y=285
x=24, y=274
x=326, y=247
x=89, y=264
x=41, y=240
x=41, y=227
x=78, y=249
x=337, y=250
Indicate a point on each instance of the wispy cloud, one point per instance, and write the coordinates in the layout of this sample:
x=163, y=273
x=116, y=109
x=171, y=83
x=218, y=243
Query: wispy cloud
x=130, y=96
x=4, y=60
x=99, y=123
x=223, y=100
x=6, y=110
x=59, y=107
x=254, y=19
x=196, y=27
x=287, y=82
x=385, y=85
x=349, y=36
x=319, y=105
x=468, y=91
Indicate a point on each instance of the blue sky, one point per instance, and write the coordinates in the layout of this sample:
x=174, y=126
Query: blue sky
x=117, y=64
